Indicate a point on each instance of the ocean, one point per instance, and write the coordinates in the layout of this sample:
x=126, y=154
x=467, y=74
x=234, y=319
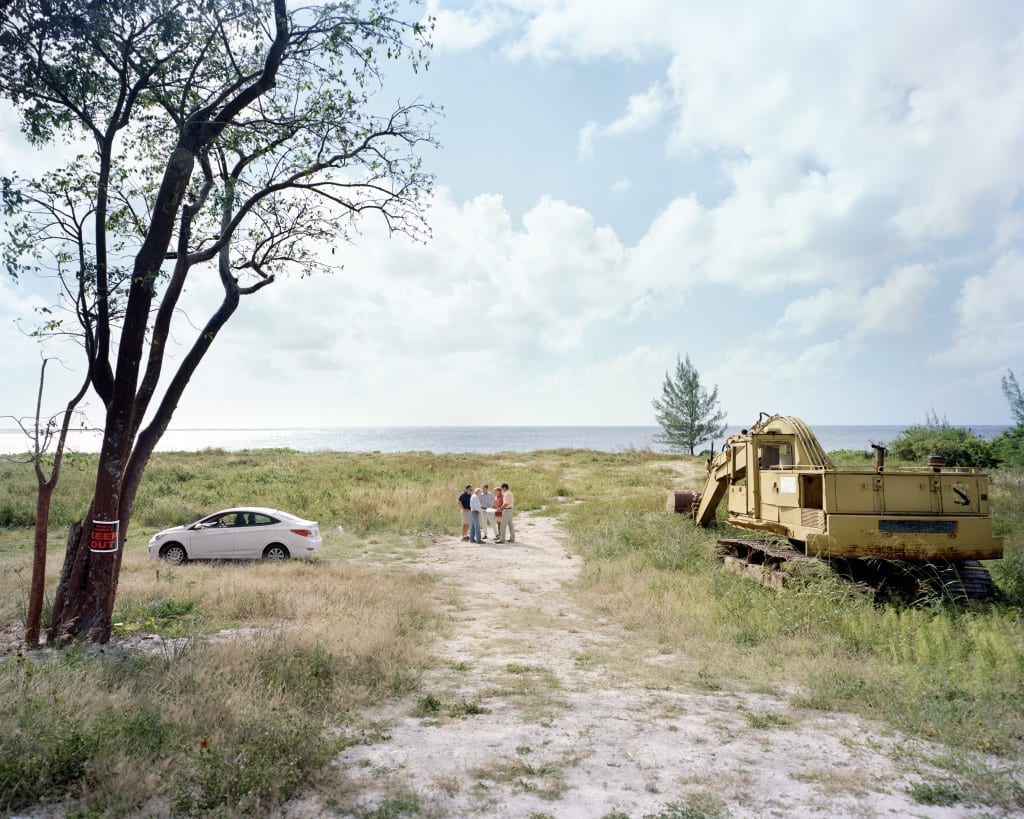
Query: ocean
x=455, y=439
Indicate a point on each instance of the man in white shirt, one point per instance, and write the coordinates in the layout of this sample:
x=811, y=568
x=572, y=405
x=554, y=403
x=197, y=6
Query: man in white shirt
x=474, y=517
x=488, y=523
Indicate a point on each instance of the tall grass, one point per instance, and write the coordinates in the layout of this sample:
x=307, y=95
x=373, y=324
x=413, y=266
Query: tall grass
x=365, y=492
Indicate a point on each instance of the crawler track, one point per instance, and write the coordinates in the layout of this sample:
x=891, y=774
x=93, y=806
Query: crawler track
x=959, y=581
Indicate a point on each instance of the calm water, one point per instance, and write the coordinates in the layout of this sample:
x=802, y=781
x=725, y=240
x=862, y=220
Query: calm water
x=456, y=439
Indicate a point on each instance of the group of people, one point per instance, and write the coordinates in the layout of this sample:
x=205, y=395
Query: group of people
x=483, y=510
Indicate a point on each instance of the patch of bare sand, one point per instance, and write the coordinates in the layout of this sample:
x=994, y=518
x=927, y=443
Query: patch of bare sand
x=533, y=711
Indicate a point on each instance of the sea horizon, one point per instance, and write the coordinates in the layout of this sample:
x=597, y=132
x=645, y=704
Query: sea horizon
x=459, y=439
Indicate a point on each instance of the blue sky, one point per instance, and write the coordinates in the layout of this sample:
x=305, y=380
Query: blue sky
x=820, y=203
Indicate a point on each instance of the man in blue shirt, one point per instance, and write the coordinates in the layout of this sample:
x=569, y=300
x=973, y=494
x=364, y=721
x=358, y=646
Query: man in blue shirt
x=467, y=493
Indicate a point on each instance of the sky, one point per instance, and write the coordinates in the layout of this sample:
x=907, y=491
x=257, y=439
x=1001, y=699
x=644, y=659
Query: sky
x=821, y=204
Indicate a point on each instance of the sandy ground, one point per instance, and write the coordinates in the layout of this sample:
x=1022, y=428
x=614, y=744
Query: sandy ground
x=535, y=712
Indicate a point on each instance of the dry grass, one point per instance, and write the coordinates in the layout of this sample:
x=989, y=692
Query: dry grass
x=206, y=722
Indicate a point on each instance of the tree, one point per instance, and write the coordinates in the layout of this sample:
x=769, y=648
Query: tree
x=41, y=435
x=1010, y=444
x=226, y=138
x=687, y=413
x=1014, y=397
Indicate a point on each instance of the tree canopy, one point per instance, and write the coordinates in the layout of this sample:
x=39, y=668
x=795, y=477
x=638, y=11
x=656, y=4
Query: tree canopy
x=215, y=138
x=687, y=412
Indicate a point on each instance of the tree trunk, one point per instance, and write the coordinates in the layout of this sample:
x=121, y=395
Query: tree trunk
x=83, y=604
x=34, y=616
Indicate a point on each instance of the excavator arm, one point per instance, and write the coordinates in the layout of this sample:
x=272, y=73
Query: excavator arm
x=719, y=472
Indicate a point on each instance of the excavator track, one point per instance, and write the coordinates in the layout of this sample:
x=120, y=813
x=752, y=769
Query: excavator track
x=964, y=580
x=958, y=582
x=760, y=560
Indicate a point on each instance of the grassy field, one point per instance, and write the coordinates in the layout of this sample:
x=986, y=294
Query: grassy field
x=202, y=722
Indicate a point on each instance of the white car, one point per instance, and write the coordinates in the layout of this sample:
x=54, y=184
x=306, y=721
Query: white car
x=245, y=533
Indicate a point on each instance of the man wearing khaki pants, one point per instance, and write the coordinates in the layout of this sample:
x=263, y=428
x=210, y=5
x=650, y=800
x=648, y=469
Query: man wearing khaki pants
x=506, y=531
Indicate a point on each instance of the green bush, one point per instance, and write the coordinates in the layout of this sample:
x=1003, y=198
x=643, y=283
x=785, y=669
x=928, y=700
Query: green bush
x=1009, y=447
x=958, y=445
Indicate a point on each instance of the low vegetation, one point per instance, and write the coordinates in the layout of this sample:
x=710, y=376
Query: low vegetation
x=959, y=446
x=258, y=672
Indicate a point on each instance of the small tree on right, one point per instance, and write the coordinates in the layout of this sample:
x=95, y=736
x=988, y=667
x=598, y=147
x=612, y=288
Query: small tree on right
x=1014, y=397
x=687, y=412
x=1009, y=446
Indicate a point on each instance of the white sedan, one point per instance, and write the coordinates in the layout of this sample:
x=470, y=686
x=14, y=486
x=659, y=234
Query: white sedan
x=248, y=533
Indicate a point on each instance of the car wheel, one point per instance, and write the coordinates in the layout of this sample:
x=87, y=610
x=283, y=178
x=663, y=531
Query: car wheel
x=275, y=551
x=174, y=553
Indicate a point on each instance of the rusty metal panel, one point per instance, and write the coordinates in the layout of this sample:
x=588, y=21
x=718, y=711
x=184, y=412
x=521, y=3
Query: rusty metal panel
x=862, y=536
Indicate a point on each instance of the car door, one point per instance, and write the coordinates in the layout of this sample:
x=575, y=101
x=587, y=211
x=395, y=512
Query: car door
x=214, y=537
x=253, y=536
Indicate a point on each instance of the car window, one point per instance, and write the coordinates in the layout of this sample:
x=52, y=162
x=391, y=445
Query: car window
x=261, y=520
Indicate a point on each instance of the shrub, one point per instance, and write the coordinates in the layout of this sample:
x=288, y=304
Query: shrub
x=958, y=445
x=1009, y=446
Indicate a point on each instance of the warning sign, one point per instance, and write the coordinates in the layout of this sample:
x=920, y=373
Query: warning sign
x=104, y=536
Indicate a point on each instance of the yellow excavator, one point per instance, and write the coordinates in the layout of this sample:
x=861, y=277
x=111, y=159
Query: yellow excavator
x=906, y=530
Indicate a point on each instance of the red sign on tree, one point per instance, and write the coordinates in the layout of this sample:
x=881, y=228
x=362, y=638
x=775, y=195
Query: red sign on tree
x=104, y=536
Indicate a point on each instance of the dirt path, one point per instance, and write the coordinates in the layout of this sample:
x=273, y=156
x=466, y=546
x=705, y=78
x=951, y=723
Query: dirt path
x=534, y=711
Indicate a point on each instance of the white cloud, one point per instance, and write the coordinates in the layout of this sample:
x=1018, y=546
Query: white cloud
x=459, y=30
x=642, y=111
x=809, y=315
x=583, y=30
x=585, y=142
x=895, y=306
x=621, y=386
x=990, y=330
x=757, y=376
x=23, y=356
x=621, y=185
x=927, y=126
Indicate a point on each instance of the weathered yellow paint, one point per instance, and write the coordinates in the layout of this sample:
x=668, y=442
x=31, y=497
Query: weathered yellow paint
x=779, y=479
